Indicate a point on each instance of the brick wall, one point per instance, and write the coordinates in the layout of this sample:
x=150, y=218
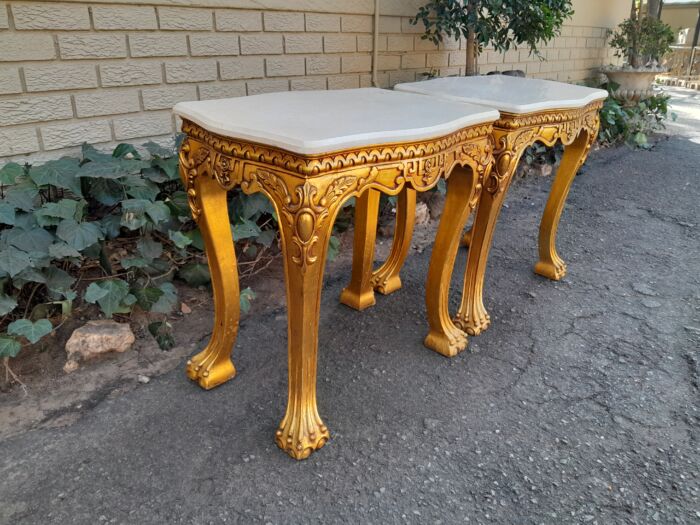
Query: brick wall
x=108, y=73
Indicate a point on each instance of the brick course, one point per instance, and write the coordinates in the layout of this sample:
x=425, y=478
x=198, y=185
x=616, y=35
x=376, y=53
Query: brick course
x=104, y=72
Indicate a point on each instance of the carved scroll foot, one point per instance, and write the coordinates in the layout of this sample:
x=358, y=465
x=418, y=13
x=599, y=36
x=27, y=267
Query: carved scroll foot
x=444, y=337
x=386, y=279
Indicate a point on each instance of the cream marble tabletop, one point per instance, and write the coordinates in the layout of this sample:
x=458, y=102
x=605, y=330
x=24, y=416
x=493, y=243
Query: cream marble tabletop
x=314, y=122
x=506, y=93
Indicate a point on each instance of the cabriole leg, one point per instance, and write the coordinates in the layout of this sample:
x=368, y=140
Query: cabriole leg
x=359, y=293
x=444, y=337
x=305, y=244
x=213, y=365
x=385, y=279
x=550, y=264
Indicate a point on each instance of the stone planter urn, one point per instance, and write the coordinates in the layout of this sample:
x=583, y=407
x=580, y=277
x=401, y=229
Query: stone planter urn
x=634, y=84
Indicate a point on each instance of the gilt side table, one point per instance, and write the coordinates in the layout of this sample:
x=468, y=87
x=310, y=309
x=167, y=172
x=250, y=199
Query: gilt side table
x=531, y=110
x=309, y=152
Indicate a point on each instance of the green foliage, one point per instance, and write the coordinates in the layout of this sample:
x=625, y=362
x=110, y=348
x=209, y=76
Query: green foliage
x=500, y=23
x=642, y=40
x=106, y=229
x=632, y=124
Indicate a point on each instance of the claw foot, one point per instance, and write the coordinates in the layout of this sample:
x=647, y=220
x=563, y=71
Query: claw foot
x=474, y=324
x=209, y=375
x=447, y=344
x=551, y=270
x=300, y=439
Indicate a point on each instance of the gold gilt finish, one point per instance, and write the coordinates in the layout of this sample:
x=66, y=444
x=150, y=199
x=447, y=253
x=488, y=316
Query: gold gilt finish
x=307, y=192
x=512, y=133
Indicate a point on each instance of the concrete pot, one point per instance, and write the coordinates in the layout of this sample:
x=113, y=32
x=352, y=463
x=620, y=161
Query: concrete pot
x=634, y=85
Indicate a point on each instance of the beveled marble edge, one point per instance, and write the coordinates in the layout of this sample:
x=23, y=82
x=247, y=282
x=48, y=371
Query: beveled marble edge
x=301, y=146
x=505, y=107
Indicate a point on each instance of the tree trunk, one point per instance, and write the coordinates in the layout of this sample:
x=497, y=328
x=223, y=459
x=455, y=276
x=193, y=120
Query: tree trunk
x=696, y=35
x=472, y=67
x=654, y=8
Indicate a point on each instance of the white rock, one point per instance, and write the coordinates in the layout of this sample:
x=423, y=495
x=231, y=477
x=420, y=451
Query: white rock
x=95, y=338
x=422, y=213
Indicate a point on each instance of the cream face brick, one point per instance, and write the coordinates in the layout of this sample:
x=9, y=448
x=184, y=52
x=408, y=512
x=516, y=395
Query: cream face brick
x=52, y=77
x=307, y=84
x=339, y=43
x=157, y=45
x=242, y=67
x=283, y=21
x=386, y=62
x=344, y=82
x=166, y=97
x=50, y=15
x=10, y=81
x=238, y=20
x=408, y=27
x=421, y=44
x=397, y=77
x=365, y=81
x=34, y=109
x=124, y=17
x=147, y=125
x=106, y=103
x=322, y=65
x=78, y=46
x=389, y=24
x=34, y=46
x=356, y=63
x=213, y=45
x=457, y=58
x=222, y=90
x=322, y=22
x=449, y=44
x=356, y=23
x=261, y=44
x=131, y=74
x=258, y=87
x=303, y=43
x=400, y=43
x=183, y=18
x=284, y=66
x=413, y=61
x=190, y=71
x=74, y=134
x=437, y=60
x=365, y=43
x=4, y=23
x=18, y=141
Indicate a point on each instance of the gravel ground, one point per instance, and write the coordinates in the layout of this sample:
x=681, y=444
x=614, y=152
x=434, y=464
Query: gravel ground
x=579, y=404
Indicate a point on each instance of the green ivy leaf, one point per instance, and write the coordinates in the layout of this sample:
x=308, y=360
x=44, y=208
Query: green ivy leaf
x=33, y=332
x=122, y=150
x=245, y=230
x=33, y=240
x=179, y=239
x=13, y=261
x=158, y=211
x=63, y=209
x=7, y=304
x=246, y=296
x=7, y=213
x=149, y=248
x=147, y=297
x=194, y=274
x=22, y=196
x=61, y=173
x=110, y=168
x=139, y=188
x=10, y=172
x=154, y=175
x=134, y=262
x=168, y=165
x=79, y=235
x=196, y=237
x=333, y=247
x=58, y=280
x=9, y=347
x=134, y=213
x=111, y=226
x=105, y=191
x=61, y=250
x=162, y=331
x=156, y=150
x=111, y=296
x=167, y=301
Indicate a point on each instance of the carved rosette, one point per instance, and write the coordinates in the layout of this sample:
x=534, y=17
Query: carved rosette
x=514, y=133
x=308, y=190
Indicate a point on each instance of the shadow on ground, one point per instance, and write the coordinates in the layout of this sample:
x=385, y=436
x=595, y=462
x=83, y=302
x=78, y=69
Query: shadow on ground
x=579, y=405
